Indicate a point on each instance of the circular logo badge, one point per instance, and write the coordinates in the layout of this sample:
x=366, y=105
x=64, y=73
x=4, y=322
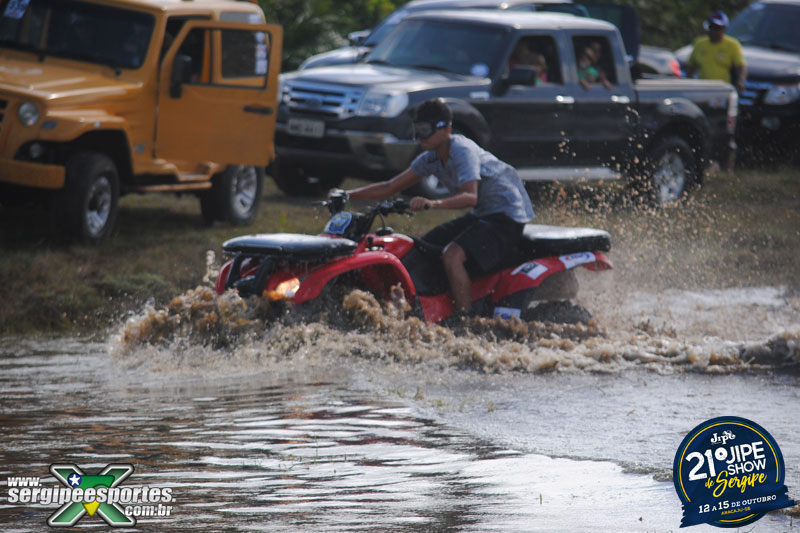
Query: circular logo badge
x=729, y=472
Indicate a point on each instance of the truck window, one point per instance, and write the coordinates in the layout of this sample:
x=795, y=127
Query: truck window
x=196, y=47
x=538, y=51
x=467, y=49
x=77, y=30
x=595, y=60
x=245, y=57
x=174, y=25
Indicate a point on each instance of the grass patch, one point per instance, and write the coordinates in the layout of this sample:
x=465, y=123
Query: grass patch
x=735, y=231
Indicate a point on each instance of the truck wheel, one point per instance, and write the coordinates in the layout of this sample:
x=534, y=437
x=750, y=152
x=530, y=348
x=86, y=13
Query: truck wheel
x=86, y=208
x=234, y=196
x=670, y=171
x=296, y=181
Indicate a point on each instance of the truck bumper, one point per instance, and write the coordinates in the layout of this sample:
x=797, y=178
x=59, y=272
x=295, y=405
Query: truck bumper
x=30, y=174
x=355, y=152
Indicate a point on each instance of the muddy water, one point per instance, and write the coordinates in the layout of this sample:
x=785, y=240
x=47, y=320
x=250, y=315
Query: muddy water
x=367, y=419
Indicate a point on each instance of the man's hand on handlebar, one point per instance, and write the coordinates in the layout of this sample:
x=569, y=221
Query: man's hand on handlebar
x=419, y=203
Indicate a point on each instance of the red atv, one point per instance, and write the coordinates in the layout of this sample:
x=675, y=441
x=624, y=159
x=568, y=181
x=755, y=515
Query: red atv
x=298, y=268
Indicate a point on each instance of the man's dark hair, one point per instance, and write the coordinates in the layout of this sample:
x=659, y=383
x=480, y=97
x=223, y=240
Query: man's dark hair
x=433, y=110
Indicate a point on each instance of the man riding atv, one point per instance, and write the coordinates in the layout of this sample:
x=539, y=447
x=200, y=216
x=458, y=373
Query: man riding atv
x=476, y=243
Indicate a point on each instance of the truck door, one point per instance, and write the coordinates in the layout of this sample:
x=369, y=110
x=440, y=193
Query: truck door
x=222, y=107
x=604, y=101
x=530, y=123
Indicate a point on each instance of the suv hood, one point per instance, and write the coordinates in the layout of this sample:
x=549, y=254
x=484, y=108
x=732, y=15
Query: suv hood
x=763, y=63
x=386, y=77
x=48, y=81
x=339, y=56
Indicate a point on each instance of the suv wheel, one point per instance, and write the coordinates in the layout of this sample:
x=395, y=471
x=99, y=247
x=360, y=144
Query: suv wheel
x=86, y=208
x=234, y=196
x=296, y=181
x=670, y=171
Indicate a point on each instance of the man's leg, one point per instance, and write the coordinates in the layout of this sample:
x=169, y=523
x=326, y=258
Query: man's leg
x=454, y=258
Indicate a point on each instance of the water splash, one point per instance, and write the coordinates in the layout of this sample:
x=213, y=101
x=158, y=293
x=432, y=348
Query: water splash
x=358, y=325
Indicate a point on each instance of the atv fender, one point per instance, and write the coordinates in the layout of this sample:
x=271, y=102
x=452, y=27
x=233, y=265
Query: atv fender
x=533, y=273
x=379, y=272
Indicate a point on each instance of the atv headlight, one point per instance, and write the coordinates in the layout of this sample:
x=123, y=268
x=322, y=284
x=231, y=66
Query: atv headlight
x=782, y=94
x=382, y=104
x=28, y=114
x=285, y=290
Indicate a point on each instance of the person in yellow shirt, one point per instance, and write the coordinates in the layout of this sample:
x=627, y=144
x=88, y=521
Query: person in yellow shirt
x=716, y=56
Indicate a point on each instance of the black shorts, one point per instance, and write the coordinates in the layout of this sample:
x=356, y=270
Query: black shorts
x=488, y=241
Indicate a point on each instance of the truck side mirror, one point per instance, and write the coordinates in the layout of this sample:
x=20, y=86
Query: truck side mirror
x=181, y=73
x=517, y=75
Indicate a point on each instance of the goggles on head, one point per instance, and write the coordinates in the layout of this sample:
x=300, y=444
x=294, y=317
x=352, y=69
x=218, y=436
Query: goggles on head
x=423, y=130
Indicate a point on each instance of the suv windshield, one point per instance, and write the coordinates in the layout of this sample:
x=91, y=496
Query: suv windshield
x=77, y=30
x=466, y=49
x=768, y=25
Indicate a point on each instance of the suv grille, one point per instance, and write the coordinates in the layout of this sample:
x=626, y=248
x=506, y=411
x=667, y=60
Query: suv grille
x=754, y=92
x=323, y=100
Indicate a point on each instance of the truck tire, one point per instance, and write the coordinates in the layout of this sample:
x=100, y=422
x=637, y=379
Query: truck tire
x=235, y=195
x=86, y=208
x=294, y=180
x=670, y=171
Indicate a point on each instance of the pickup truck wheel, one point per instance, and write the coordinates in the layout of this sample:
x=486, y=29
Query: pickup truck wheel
x=234, y=196
x=670, y=171
x=296, y=181
x=86, y=208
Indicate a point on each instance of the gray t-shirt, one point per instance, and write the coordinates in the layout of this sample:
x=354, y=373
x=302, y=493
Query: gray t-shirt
x=500, y=190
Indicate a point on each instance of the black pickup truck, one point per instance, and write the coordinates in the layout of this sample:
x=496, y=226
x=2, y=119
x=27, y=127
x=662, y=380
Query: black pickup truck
x=355, y=120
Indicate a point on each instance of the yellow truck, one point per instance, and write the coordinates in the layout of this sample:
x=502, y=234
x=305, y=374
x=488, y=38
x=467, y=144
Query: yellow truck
x=100, y=98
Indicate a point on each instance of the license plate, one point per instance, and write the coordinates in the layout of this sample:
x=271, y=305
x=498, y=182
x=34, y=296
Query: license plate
x=306, y=127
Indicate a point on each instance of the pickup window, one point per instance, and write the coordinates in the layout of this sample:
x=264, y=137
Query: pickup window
x=77, y=30
x=467, y=49
x=594, y=60
x=538, y=51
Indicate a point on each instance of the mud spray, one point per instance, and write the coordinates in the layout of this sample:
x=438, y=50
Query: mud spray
x=658, y=334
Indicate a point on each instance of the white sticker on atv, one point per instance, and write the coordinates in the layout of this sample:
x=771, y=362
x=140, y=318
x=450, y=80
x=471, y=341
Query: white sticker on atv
x=533, y=270
x=581, y=258
x=506, y=313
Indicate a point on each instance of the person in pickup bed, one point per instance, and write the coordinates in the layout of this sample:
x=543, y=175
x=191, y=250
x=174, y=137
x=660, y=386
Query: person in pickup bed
x=482, y=240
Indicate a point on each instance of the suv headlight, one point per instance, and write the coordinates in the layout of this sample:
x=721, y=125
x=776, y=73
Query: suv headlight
x=782, y=94
x=382, y=104
x=28, y=114
x=283, y=91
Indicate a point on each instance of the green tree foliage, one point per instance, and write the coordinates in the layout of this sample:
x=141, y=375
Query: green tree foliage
x=314, y=26
x=673, y=24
